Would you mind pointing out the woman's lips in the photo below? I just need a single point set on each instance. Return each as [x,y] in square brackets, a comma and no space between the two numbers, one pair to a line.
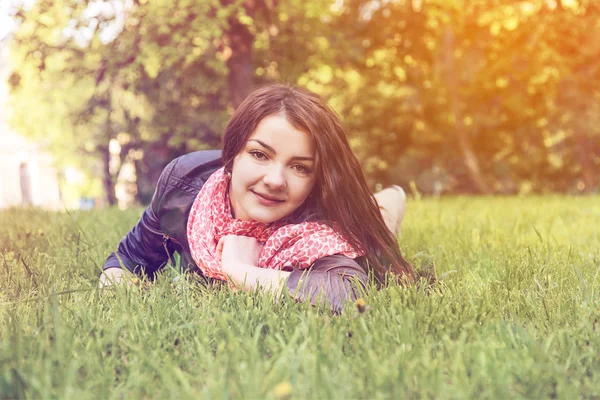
[267,201]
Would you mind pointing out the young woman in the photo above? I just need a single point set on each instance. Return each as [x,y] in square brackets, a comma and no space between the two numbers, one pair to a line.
[284,206]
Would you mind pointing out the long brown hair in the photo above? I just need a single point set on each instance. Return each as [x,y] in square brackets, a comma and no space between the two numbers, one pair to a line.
[340,196]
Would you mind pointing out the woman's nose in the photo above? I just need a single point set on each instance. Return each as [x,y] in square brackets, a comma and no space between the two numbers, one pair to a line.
[275,178]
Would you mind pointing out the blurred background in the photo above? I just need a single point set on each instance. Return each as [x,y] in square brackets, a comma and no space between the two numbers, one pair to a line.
[491,97]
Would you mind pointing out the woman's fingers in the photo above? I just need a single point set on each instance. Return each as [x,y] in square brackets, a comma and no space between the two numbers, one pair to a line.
[239,249]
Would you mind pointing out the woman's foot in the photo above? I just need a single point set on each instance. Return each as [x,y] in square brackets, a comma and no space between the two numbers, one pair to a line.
[392,204]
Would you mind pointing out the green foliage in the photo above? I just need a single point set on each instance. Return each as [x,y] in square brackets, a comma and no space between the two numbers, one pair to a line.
[515,315]
[470,91]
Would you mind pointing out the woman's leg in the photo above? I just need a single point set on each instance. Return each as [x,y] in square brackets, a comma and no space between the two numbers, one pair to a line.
[392,204]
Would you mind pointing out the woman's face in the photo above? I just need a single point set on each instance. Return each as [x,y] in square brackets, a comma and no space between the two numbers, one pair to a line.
[274,173]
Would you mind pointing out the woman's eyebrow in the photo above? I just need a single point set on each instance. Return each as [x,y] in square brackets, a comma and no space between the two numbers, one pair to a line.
[272,150]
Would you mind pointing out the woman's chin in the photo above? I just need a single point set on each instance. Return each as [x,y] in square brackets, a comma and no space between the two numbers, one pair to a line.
[266,215]
[265,219]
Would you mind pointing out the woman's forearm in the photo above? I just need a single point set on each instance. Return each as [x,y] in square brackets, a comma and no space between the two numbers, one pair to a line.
[249,277]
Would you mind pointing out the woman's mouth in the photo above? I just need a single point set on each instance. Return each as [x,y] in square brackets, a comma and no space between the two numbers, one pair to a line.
[266,200]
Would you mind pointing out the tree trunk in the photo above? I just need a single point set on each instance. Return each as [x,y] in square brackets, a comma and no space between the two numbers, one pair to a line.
[585,160]
[107,180]
[241,70]
[572,96]
[468,155]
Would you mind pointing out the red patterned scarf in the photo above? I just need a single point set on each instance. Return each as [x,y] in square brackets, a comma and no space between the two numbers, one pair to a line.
[286,246]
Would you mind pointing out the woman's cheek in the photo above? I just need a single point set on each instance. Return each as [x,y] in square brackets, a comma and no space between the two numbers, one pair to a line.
[304,188]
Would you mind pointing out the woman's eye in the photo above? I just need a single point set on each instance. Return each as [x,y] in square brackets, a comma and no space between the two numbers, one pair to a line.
[301,168]
[259,155]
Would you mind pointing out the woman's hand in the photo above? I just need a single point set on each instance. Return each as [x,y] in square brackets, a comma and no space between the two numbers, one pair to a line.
[236,250]
[112,276]
[239,260]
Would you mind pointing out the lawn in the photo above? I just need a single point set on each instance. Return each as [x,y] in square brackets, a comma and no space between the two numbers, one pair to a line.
[515,315]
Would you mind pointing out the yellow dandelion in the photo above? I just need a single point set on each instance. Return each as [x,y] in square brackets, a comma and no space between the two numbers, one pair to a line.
[360,305]
[283,390]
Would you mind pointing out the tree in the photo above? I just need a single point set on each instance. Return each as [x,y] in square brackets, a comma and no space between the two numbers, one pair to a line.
[473,96]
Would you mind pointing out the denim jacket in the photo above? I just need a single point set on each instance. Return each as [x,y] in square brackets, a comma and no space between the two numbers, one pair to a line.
[162,231]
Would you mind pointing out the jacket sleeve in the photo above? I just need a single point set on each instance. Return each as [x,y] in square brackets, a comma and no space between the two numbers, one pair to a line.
[142,249]
[332,280]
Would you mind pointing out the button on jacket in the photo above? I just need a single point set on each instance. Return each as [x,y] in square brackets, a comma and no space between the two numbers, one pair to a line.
[162,231]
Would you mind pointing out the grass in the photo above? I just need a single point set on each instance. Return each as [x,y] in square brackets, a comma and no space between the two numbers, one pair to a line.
[516,315]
